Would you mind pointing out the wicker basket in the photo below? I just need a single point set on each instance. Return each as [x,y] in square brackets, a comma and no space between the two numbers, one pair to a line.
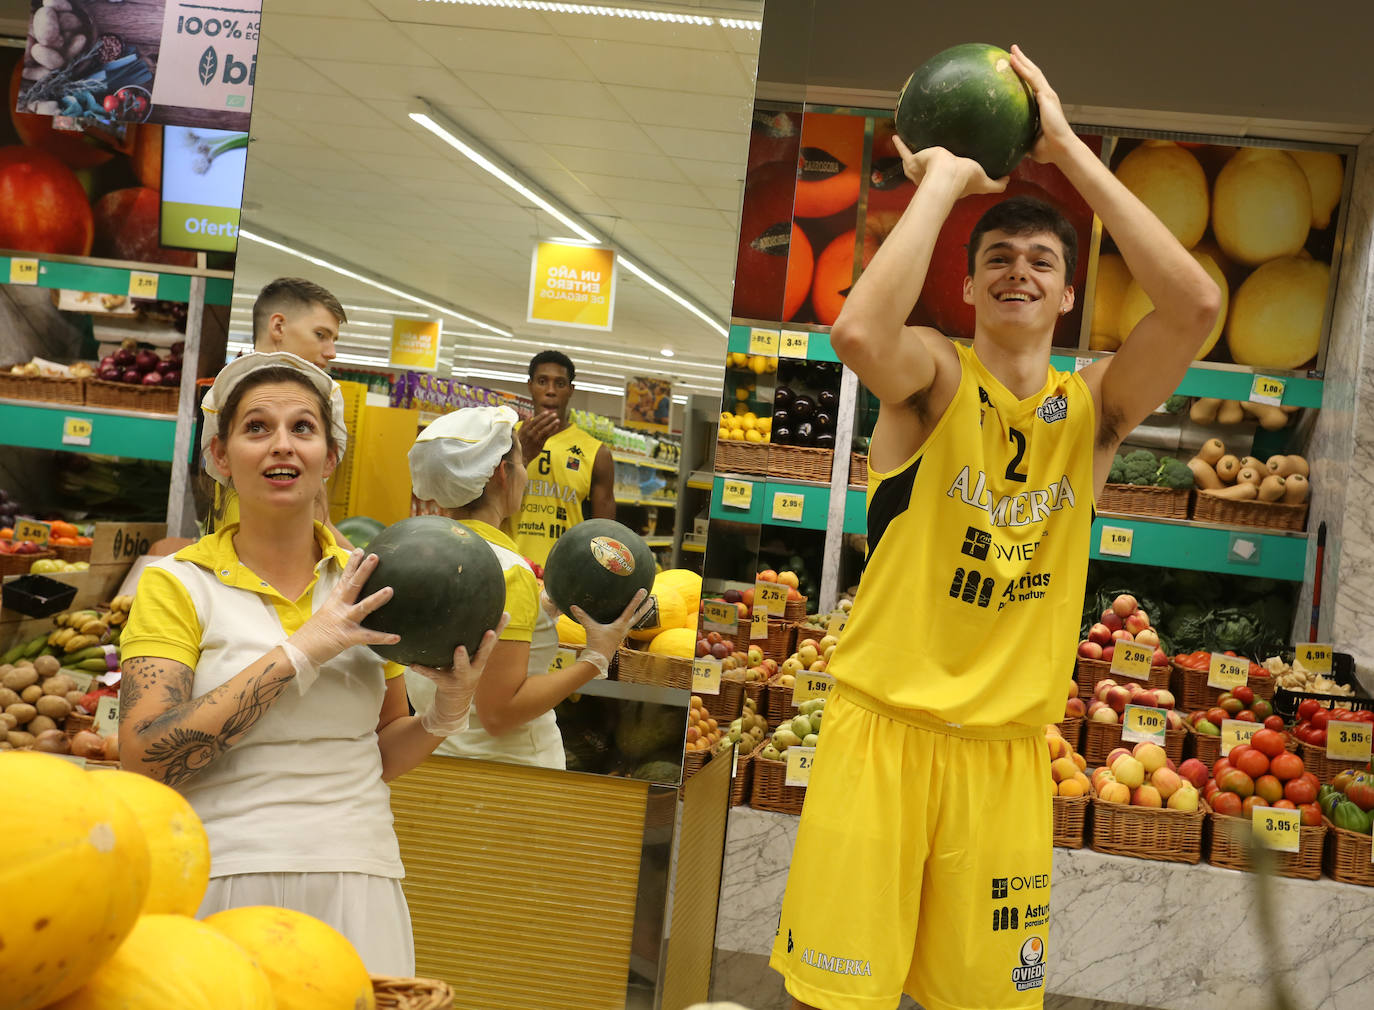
[726,705]
[638,667]
[127,396]
[76,722]
[1205,748]
[781,641]
[1070,819]
[1267,515]
[777,703]
[692,762]
[68,552]
[1071,729]
[1173,836]
[858,470]
[795,462]
[770,791]
[411,993]
[741,457]
[744,776]
[1091,672]
[1347,856]
[19,564]
[1314,759]
[41,388]
[755,689]
[1231,848]
[795,610]
[1190,688]
[1101,738]
[1135,500]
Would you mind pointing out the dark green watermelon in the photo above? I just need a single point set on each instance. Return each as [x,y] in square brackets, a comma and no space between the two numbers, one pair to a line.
[359,529]
[598,565]
[449,590]
[970,101]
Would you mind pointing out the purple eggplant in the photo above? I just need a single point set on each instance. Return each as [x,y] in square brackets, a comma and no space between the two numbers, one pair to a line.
[825,440]
[806,431]
[827,399]
[802,408]
[782,397]
[824,421]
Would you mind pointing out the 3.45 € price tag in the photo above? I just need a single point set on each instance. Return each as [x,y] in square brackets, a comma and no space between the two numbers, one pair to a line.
[758,625]
[1227,672]
[1277,829]
[705,675]
[763,342]
[27,529]
[788,506]
[737,494]
[1314,656]
[770,597]
[1235,732]
[1349,741]
[1142,724]
[799,762]
[1116,541]
[1130,659]
[106,716]
[795,344]
[811,685]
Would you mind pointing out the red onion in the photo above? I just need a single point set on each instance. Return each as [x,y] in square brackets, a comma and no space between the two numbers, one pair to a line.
[132,375]
[109,373]
[152,378]
[124,357]
[179,348]
[108,361]
[165,365]
[172,378]
[146,360]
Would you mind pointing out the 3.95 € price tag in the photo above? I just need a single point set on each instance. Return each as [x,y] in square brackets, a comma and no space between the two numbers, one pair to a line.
[1227,672]
[1314,656]
[1130,659]
[1142,724]
[770,597]
[811,685]
[1277,829]
[1349,741]
[737,494]
[705,675]
[799,762]
[1235,732]
[106,716]
[758,625]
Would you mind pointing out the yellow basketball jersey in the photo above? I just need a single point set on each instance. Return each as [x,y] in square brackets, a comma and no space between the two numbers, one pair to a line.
[977,558]
[560,480]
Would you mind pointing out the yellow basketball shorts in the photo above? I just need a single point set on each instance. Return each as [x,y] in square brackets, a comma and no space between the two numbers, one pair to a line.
[922,865]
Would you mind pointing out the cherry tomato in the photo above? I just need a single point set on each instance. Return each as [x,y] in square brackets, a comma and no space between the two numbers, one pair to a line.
[111,103]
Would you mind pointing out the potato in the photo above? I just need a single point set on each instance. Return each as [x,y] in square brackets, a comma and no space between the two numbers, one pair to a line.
[46,666]
[59,685]
[8,698]
[69,21]
[74,697]
[18,738]
[47,26]
[20,677]
[47,57]
[7,723]
[53,707]
[76,46]
[41,724]
[23,712]
[5,668]
[31,693]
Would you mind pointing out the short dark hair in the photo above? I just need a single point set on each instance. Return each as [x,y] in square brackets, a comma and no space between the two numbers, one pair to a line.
[1025,215]
[553,358]
[269,374]
[291,293]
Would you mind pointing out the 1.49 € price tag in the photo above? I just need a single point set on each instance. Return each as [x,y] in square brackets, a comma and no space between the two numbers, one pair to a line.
[1349,741]
[1277,829]
[1235,732]
[799,762]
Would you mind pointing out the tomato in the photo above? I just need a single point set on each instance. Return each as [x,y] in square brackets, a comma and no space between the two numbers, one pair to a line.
[1317,738]
[1286,766]
[1275,723]
[1253,762]
[1233,780]
[1320,718]
[1267,742]
[1311,814]
[1227,803]
[1220,765]
[1248,806]
[1300,791]
[1361,794]
[1284,805]
[1364,715]
[1269,788]
[1307,708]
[1246,716]
[1341,781]
[1217,715]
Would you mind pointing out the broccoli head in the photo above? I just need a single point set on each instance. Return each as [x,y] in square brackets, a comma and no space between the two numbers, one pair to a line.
[1115,474]
[1139,467]
[1175,404]
[1173,473]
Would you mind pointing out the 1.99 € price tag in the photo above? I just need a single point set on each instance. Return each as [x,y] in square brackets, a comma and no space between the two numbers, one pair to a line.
[811,685]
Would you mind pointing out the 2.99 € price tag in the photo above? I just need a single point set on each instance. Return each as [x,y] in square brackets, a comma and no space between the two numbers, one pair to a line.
[1227,672]
[705,675]
[1277,829]
[1130,659]
[799,762]
[1349,741]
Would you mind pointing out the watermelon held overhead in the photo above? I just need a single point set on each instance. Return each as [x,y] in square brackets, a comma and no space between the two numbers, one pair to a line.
[449,590]
[970,100]
[598,565]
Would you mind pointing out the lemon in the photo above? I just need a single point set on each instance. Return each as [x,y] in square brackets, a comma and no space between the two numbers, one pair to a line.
[758,364]
[764,424]
[1136,304]
[750,435]
[742,393]
[1325,175]
[1168,179]
[1261,207]
[737,434]
[1113,277]
[748,422]
[1276,319]
[727,419]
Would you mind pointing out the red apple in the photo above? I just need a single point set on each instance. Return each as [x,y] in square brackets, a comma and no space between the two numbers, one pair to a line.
[1112,621]
[1117,699]
[1108,653]
[1100,634]
[1145,698]
[1159,657]
[1125,605]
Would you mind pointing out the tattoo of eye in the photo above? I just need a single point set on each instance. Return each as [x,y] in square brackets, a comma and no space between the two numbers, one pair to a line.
[181,754]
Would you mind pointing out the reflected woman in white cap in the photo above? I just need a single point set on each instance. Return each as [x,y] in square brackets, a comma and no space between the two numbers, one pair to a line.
[470,464]
[249,687]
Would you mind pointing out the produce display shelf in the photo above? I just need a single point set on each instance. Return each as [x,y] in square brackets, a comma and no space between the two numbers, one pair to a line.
[637,460]
[760,511]
[626,690]
[700,480]
[1228,382]
[658,541]
[660,502]
[127,433]
[817,347]
[113,278]
[1232,550]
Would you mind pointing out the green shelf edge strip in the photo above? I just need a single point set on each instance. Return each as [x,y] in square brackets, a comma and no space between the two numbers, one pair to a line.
[1298,390]
[815,508]
[115,280]
[40,427]
[817,349]
[1203,549]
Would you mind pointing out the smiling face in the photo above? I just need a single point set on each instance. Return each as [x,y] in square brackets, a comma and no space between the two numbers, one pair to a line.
[1019,282]
[275,449]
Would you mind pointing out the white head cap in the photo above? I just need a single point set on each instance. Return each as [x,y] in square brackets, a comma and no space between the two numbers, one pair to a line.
[233,373]
[452,459]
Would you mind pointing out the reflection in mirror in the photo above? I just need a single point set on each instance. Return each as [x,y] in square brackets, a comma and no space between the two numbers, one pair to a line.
[451,173]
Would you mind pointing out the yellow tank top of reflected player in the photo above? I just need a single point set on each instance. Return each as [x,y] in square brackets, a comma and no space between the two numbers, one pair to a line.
[560,479]
[969,606]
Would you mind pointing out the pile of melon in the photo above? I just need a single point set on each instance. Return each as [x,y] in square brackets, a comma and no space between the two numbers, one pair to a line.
[100,892]
[677,593]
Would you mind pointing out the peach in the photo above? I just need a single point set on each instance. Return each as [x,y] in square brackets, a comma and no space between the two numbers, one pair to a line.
[1166,781]
[1071,787]
[1062,768]
[1115,792]
[1185,798]
[1104,714]
[1075,706]
[1129,772]
[1116,753]
[1151,755]
[1146,796]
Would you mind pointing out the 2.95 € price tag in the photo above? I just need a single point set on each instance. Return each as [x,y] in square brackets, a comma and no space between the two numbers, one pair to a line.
[1277,829]
[705,675]
[1235,732]
[1314,656]
[799,762]
[1349,741]
[763,342]
[758,625]
[811,685]
[770,597]
[1227,672]
[1130,659]
[1142,724]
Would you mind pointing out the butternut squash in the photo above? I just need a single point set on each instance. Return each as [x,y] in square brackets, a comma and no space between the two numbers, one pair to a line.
[1278,465]
[1252,463]
[1204,410]
[1227,469]
[1237,492]
[1298,464]
[1203,474]
[1270,418]
[1295,489]
[1271,488]
[1249,475]
[1212,450]
[1230,412]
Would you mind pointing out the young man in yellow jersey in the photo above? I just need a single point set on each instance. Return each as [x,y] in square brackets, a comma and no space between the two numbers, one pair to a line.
[566,465]
[923,858]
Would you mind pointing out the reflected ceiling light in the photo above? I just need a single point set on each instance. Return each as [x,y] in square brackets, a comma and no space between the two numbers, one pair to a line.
[465,144]
[634,13]
[667,352]
[370,281]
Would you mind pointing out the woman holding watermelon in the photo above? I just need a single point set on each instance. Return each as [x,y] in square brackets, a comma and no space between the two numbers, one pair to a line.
[470,464]
[247,684]
[922,862]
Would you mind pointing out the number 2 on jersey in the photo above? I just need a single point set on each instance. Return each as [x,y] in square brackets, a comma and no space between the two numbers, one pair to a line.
[1019,438]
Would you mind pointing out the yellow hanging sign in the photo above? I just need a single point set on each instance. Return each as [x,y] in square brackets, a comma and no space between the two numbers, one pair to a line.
[572,285]
[415,343]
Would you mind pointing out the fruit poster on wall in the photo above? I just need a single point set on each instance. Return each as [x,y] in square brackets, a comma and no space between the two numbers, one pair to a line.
[767,233]
[171,62]
[91,192]
[1261,221]
[648,404]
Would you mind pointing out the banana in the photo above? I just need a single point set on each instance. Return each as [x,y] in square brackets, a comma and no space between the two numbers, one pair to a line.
[124,603]
[23,650]
[59,620]
[89,652]
[34,647]
[92,665]
[62,637]
[116,618]
[79,642]
[95,628]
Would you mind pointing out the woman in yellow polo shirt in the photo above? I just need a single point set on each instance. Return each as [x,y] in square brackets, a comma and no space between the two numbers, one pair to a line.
[248,686]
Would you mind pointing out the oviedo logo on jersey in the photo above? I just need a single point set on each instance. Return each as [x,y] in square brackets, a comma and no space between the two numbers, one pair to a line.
[1020,509]
[612,555]
[1030,973]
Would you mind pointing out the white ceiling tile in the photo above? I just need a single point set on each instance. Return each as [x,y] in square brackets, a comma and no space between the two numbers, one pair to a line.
[467,50]
[581,132]
[606,162]
[712,173]
[708,145]
[280,72]
[335,110]
[645,214]
[494,18]
[320,8]
[509,93]
[696,111]
[486,125]
[651,66]
[725,198]
[386,82]
[634,32]
[371,40]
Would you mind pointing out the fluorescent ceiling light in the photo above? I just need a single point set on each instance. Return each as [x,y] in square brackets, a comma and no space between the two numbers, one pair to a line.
[450,133]
[633,13]
[244,296]
[667,352]
[371,281]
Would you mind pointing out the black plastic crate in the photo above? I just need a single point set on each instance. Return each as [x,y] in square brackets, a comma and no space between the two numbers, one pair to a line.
[1286,702]
[37,596]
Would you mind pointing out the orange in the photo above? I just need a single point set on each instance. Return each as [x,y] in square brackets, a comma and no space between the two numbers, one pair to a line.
[768,575]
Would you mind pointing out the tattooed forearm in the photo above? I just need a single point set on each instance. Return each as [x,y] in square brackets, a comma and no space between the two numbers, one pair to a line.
[180,754]
[254,700]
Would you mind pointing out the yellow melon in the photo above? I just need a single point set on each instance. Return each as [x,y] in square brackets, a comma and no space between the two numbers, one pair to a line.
[177,845]
[681,642]
[670,608]
[73,876]
[1170,181]
[1325,175]
[1113,277]
[310,964]
[174,961]
[1136,304]
[1261,206]
[570,632]
[688,583]
[1276,320]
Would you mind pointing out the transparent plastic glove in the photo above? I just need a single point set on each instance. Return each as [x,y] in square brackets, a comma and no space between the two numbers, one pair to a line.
[455,686]
[604,639]
[337,626]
